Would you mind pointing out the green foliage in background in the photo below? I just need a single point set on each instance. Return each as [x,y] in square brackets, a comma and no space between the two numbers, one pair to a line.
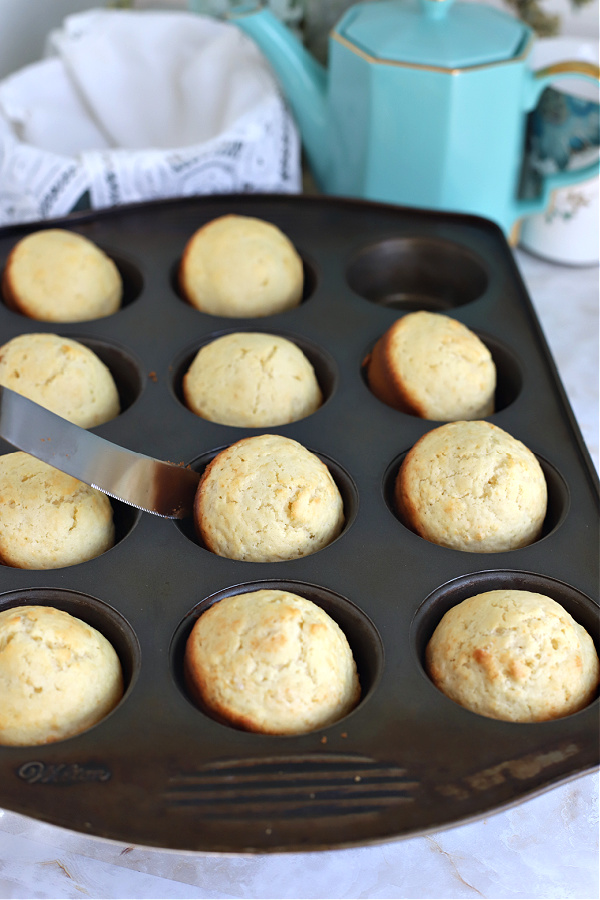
[533,13]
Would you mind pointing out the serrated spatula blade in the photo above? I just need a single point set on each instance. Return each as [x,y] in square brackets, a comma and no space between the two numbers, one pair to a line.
[161,488]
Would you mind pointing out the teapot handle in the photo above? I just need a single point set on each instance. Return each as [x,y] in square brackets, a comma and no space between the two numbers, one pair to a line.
[574,68]
[539,81]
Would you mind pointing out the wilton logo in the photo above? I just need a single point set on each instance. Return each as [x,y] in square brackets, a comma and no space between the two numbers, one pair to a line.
[62,773]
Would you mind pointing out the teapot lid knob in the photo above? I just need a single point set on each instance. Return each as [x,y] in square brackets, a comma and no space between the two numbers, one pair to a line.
[435,9]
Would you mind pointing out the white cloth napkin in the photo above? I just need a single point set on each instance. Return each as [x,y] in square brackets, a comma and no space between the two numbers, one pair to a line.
[136,105]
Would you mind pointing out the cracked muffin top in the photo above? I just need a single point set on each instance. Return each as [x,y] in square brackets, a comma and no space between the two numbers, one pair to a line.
[238,266]
[271,661]
[61,374]
[58,676]
[252,380]
[472,486]
[513,655]
[55,275]
[47,518]
[267,499]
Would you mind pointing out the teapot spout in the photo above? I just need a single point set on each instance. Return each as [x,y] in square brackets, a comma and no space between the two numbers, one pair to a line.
[302,79]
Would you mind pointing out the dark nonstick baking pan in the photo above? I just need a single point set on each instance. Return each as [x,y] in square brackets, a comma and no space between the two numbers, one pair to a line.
[407,760]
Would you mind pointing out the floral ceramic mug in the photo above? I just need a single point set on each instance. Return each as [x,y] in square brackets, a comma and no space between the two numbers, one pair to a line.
[564,133]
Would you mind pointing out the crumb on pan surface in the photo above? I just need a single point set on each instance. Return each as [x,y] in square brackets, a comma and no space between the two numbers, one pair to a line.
[55,275]
[271,661]
[58,676]
[62,375]
[471,486]
[249,379]
[267,498]
[237,266]
[513,655]
[47,518]
[430,365]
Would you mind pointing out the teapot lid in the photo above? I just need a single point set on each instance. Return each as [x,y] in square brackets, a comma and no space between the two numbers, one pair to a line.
[437,33]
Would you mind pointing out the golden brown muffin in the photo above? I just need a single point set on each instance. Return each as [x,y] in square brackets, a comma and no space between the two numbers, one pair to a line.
[251,380]
[472,486]
[513,655]
[61,374]
[58,676]
[55,275]
[48,519]
[238,266]
[271,661]
[265,499]
[429,365]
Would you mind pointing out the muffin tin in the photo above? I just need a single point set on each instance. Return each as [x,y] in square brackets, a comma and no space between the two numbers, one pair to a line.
[158,771]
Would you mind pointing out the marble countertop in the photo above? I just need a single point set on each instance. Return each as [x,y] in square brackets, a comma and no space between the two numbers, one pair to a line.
[546,847]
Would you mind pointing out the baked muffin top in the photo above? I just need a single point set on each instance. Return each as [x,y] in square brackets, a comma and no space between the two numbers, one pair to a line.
[472,486]
[238,266]
[265,499]
[61,374]
[514,655]
[55,275]
[251,380]
[271,661]
[58,676]
[430,365]
[47,518]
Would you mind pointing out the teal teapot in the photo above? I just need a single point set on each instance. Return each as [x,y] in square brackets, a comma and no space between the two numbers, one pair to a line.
[424,103]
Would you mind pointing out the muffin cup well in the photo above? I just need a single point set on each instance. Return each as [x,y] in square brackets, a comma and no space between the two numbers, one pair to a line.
[325,368]
[343,480]
[131,278]
[125,519]
[124,367]
[558,497]
[509,377]
[417,273]
[361,634]
[429,614]
[96,613]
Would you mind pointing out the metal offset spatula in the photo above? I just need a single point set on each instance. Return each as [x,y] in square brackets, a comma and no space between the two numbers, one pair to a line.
[161,488]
